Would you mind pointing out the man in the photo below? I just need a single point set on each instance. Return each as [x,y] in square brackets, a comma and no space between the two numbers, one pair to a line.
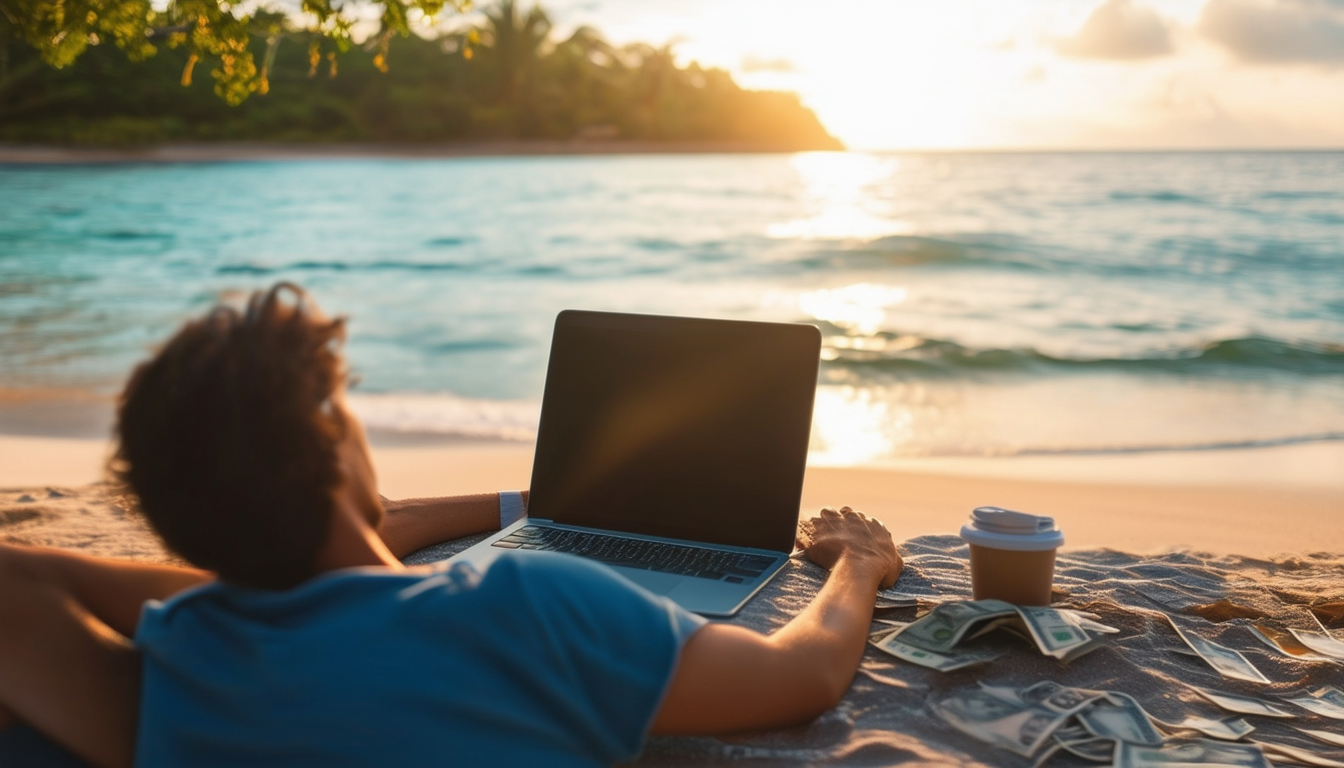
[301,639]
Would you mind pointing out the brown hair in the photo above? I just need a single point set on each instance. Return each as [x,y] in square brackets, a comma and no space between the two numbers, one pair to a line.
[228,438]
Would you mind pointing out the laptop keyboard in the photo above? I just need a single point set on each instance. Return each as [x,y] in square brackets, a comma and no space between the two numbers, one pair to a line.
[705,563]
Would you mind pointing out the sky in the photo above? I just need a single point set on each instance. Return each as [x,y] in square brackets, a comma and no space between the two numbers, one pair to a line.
[1018,74]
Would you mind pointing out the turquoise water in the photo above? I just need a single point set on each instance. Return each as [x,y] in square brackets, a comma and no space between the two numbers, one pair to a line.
[972,303]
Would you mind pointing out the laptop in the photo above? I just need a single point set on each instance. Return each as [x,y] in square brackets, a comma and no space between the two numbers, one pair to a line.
[673,450]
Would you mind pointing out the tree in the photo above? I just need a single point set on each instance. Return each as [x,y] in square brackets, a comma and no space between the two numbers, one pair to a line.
[213,31]
[505,78]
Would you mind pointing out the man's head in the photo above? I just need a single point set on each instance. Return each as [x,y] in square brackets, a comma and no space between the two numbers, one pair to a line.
[236,442]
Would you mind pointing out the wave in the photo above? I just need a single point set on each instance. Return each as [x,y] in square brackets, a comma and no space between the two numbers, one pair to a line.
[339,266]
[1216,445]
[1008,451]
[131,234]
[1156,196]
[447,415]
[888,352]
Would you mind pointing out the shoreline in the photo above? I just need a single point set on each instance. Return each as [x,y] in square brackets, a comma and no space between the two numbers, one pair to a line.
[248,151]
[52,154]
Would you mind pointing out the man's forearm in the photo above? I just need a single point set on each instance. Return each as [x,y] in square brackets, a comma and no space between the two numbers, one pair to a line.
[831,633]
[413,524]
[112,590]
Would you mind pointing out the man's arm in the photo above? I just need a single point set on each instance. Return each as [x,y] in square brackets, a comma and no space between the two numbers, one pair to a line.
[731,678]
[413,524]
[112,591]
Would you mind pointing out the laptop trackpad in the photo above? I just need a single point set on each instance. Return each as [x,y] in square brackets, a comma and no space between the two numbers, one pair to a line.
[655,582]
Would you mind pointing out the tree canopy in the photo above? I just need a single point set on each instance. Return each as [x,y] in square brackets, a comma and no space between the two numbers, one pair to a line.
[509,77]
[218,32]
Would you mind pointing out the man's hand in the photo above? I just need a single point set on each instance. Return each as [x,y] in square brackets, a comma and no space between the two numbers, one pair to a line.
[844,533]
[731,679]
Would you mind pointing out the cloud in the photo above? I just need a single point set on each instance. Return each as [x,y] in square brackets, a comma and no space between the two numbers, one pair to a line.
[1119,29]
[1277,31]
[752,63]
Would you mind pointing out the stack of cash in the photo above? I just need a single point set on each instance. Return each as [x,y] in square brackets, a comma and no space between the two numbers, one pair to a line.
[931,640]
[1047,718]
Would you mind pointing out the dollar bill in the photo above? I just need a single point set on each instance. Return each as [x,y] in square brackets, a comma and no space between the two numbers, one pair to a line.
[1233,729]
[1050,751]
[1319,642]
[1228,662]
[1057,698]
[1242,705]
[891,642]
[1088,622]
[1072,732]
[985,627]
[1189,753]
[943,627]
[1281,754]
[895,598]
[1124,720]
[1015,726]
[1329,737]
[1094,749]
[1055,635]
[1326,702]
[1283,641]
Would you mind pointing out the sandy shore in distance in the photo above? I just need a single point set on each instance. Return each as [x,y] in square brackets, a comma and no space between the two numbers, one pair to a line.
[1205,502]
[36,154]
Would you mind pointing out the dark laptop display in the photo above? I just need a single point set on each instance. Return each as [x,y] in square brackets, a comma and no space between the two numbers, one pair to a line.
[676,427]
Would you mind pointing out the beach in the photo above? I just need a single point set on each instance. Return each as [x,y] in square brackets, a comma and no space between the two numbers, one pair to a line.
[1226,502]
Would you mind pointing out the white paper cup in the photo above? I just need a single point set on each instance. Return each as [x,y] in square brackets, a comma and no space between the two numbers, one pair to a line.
[1012,555]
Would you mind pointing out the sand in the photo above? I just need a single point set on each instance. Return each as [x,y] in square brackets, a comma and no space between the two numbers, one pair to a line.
[1260,502]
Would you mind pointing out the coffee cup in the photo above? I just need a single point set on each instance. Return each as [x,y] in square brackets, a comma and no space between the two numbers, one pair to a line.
[1012,555]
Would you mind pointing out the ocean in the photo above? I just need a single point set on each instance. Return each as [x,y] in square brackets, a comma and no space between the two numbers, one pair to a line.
[972,304]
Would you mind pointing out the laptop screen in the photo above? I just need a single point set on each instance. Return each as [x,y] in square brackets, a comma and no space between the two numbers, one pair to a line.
[678,427]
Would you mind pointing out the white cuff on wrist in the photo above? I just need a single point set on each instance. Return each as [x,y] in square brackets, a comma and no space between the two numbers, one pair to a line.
[511,508]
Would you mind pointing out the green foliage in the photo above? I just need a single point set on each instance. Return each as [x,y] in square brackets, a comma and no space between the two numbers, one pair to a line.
[507,79]
[213,31]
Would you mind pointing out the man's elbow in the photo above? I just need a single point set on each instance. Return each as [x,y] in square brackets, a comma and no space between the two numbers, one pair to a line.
[822,689]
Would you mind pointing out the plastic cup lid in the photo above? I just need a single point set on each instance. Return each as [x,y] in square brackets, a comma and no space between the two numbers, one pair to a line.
[1001,528]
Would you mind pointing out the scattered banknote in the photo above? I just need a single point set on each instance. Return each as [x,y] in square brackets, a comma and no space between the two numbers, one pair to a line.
[890,641]
[1015,726]
[1055,634]
[1060,633]
[1233,729]
[1088,621]
[1281,754]
[943,627]
[1319,642]
[1228,662]
[1050,716]
[1120,718]
[1283,641]
[1329,737]
[1242,705]
[1190,753]
[894,598]
[1327,702]
[1097,750]
[1054,697]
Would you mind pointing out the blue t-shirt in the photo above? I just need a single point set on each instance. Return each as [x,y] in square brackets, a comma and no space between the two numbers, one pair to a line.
[540,660]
